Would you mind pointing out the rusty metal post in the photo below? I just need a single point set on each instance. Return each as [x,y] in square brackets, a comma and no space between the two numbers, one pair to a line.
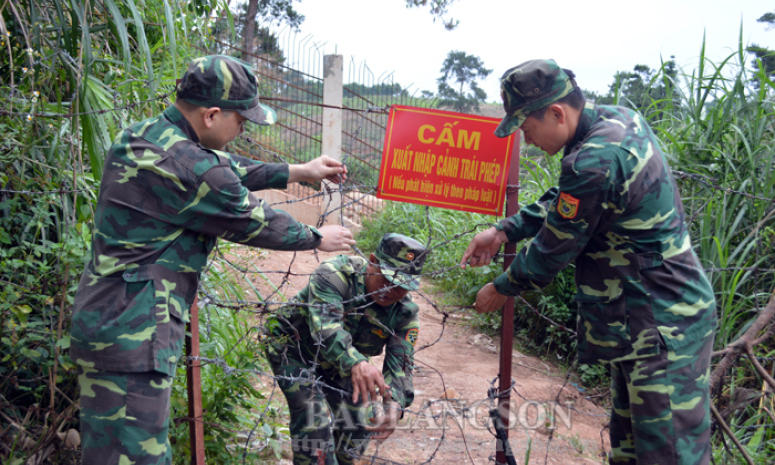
[507,321]
[194,387]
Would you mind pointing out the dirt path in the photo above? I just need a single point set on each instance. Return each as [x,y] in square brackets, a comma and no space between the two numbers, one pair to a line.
[451,382]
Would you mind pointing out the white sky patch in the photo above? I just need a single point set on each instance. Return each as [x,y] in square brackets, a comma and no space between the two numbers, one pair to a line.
[595,39]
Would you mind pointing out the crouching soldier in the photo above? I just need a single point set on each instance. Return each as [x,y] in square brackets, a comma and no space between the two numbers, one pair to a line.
[320,345]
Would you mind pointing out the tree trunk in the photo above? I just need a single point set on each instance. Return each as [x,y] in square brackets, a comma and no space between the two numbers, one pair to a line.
[250,26]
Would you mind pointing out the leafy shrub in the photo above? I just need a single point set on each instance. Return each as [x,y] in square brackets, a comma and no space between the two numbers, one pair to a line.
[43,244]
[595,375]
[556,303]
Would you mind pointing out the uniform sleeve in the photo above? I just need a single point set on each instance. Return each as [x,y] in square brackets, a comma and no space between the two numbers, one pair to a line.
[324,315]
[224,207]
[399,361]
[571,220]
[528,221]
[256,175]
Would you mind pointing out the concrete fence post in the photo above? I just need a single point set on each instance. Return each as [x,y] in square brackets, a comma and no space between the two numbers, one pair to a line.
[332,128]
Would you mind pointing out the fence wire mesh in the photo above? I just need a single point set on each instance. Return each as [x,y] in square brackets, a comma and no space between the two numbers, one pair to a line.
[297,97]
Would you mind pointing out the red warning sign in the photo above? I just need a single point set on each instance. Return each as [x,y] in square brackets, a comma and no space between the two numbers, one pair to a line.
[445,159]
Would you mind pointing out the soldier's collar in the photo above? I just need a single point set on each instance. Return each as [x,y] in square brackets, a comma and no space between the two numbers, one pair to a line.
[176,117]
[585,120]
[388,310]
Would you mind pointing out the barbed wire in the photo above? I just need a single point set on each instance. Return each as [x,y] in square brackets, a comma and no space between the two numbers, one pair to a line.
[755,269]
[271,307]
[58,191]
[370,109]
[83,113]
[265,307]
[275,303]
[708,181]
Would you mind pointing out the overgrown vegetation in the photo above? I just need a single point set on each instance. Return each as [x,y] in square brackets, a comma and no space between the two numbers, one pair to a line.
[62,65]
[71,78]
[722,131]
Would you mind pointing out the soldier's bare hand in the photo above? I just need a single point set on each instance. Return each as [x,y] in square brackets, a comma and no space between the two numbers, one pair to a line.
[488,299]
[386,421]
[335,238]
[483,247]
[323,167]
[366,380]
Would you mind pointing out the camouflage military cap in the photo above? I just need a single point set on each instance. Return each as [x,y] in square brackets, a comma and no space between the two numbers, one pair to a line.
[529,87]
[401,259]
[226,83]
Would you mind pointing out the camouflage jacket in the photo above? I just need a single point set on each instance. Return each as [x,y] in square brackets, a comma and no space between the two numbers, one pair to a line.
[164,201]
[338,326]
[617,212]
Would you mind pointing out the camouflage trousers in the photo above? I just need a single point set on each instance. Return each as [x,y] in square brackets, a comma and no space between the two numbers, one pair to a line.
[326,426]
[124,417]
[661,407]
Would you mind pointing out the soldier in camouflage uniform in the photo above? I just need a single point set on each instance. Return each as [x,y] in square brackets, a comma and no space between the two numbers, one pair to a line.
[320,346]
[168,192]
[644,303]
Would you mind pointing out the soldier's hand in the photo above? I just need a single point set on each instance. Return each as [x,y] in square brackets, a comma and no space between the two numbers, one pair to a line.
[488,299]
[323,167]
[483,247]
[366,380]
[335,238]
[386,421]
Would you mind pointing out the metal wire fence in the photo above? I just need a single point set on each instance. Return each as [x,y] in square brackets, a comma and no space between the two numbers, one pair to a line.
[296,94]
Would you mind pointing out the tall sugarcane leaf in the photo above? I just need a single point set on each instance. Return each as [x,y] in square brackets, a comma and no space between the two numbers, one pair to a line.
[172,44]
[143,44]
[95,127]
[85,35]
[120,28]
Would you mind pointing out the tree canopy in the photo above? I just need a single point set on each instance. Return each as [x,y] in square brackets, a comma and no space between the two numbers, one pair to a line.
[438,9]
[267,11]
[644,89]
[765,58]
[254,16]
[463,71]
